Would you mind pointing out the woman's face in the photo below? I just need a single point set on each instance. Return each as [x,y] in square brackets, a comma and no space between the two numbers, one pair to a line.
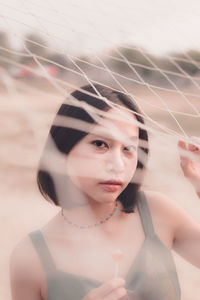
[101,165]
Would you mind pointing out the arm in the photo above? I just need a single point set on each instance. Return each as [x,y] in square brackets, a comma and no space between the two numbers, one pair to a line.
[190,161]
[23,279]
[184,231]
[187,237]
[175,228]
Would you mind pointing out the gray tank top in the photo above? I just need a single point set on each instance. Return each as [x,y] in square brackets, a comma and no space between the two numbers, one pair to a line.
[152,275]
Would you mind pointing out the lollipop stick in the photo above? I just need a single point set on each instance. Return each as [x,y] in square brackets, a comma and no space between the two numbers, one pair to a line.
[116,269]
[117,256]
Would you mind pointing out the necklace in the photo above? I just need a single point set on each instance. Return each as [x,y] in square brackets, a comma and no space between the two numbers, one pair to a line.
[93,225]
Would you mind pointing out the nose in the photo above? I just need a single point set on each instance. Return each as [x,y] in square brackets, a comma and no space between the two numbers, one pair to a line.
[115,161]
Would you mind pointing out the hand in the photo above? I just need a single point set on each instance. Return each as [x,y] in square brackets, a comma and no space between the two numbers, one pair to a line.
[190,161]
[112,290]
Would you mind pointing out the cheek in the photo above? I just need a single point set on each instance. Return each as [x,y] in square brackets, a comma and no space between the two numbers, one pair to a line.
[131,167]
[82,168]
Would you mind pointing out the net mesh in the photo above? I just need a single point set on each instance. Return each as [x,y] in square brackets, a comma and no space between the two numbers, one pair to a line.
[47,50]
[165,88]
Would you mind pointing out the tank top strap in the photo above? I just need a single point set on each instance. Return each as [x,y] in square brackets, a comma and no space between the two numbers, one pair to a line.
[145,214]
[42,250]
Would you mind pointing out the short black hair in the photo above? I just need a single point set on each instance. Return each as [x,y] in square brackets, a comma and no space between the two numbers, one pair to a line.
[66,138]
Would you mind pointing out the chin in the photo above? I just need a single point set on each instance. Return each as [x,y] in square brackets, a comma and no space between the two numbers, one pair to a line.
[102,198]
[103,201]
[108,200]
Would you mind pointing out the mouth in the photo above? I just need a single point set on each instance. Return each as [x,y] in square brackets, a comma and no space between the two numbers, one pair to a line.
[111,185]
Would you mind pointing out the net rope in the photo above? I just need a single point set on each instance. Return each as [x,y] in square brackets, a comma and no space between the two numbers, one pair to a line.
[98,43]
[99,62]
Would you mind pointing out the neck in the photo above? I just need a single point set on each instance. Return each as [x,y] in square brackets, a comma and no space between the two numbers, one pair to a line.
[91,213]
[82,210]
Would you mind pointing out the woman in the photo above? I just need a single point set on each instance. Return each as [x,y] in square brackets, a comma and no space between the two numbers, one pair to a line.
[93,169]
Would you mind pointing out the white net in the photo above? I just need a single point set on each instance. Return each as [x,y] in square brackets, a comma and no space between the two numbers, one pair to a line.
[49,49]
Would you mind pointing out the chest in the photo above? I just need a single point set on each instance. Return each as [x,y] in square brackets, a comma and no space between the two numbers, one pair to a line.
[91,257]
[88,255]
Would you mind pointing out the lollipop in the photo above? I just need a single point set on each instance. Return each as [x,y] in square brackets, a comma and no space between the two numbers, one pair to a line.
[117,256]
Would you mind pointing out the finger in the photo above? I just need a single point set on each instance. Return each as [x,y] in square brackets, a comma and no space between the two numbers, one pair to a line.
[116,294]
[184,161]
[182,144]
[193,147]
[107,288]
[183,151]
[188,149]
[190,146]
[196,146]
[190,173]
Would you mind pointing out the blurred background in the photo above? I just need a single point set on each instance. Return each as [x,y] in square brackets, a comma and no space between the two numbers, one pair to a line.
[149,50]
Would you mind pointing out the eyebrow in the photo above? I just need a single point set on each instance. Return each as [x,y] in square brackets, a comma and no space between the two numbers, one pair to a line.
[112,137]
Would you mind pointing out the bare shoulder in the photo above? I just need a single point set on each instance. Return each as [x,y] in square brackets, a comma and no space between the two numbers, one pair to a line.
[22,256]
[162,206]
[174,226]
[159,202]
[25,271]
[165,214]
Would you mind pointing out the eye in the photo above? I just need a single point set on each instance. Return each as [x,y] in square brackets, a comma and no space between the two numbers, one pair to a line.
[100,144]
[130,148]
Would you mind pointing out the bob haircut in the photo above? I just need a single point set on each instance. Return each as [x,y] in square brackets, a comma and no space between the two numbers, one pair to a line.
[66,138]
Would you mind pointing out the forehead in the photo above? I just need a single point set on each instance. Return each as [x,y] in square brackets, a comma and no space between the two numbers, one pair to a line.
[116,123]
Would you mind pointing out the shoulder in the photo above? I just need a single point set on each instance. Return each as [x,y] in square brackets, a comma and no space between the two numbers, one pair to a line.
[164,207]
[21,254]
[23,257]
[159,202]
[24,265]
[165,215]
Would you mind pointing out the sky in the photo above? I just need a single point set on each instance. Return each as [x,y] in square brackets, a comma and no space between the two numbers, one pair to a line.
[90,26]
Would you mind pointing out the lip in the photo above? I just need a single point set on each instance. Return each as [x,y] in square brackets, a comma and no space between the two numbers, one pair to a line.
[111,185]
[115,182]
